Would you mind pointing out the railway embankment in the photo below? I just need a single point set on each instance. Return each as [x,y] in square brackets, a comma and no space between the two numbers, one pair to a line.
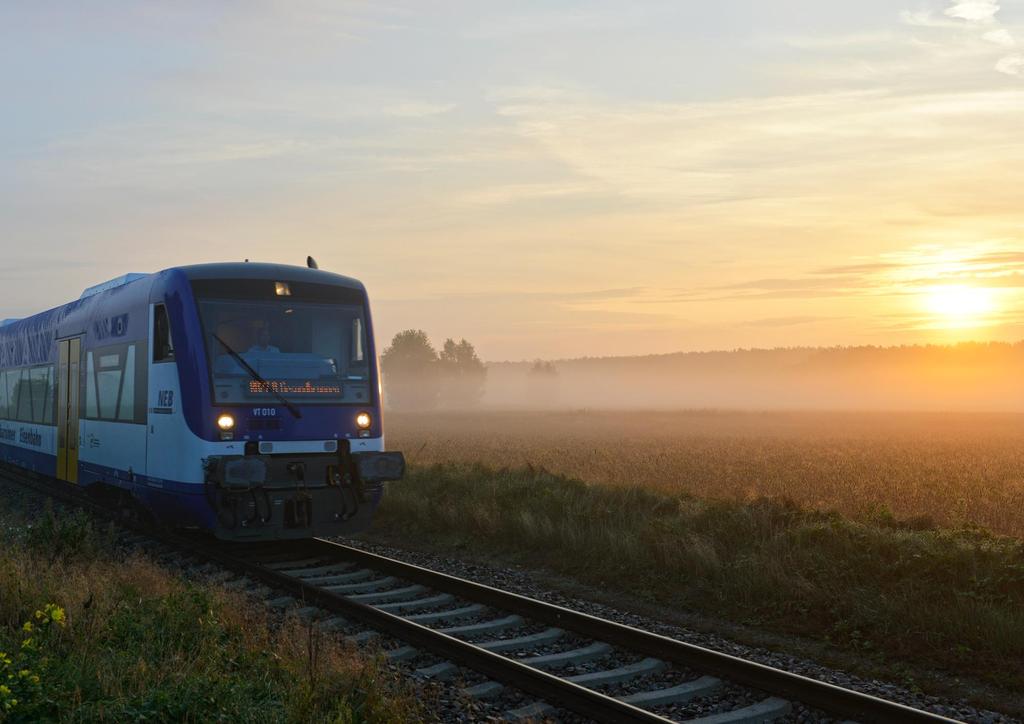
[93,631]
[928,607]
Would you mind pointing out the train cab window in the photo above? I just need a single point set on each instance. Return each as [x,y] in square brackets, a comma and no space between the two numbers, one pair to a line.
[163,347]
[358,341]
[299,346]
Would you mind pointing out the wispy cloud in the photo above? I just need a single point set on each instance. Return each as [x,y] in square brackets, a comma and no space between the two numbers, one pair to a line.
[790,285]
[916,323]
[788,321]
[926,19]
[1011,64]
[896,274]
[975,11]
[864,268]
[577,296]
[814,146]
[980,16]
[1002,37]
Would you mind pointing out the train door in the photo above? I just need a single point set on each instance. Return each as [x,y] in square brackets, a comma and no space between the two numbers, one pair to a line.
[67,408]
[166,426]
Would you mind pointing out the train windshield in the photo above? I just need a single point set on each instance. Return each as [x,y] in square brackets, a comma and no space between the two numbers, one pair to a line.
[307,352]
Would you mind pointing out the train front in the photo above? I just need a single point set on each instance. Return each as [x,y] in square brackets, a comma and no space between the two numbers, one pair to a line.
[294,402]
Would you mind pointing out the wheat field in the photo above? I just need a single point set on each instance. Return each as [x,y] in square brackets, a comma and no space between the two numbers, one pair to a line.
[944,469]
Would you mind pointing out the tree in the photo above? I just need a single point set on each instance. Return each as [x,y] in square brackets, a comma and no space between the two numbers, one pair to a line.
[411,371]
[463,374]
[542,369]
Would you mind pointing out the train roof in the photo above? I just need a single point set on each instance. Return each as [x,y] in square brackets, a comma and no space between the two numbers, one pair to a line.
[257,270]
[222,270]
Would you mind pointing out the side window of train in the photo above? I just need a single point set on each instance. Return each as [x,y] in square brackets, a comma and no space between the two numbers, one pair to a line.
[41,392]
[115,385]
[10,384]
[163,347]
[26,395]
[13,381]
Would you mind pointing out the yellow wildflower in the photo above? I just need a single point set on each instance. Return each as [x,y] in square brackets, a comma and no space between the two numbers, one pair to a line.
[27,627]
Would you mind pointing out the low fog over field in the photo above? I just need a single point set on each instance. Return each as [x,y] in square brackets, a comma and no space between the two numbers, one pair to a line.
[960,377]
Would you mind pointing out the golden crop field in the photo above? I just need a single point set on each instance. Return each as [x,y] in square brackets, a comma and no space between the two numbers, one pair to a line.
[953,469]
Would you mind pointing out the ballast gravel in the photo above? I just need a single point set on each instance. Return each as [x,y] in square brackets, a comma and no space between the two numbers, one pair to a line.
[521,581]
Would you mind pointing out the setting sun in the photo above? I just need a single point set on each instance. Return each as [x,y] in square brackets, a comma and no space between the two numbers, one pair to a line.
[960,303]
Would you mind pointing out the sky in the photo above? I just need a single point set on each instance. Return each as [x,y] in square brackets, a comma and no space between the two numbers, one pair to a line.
[546,179]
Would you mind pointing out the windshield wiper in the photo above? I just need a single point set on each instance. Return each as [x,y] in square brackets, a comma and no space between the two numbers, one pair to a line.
[256,376]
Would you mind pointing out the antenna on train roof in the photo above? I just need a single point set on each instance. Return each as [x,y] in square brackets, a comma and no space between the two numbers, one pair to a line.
[311,263]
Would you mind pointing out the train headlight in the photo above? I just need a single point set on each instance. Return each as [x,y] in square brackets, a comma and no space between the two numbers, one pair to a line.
[226,422]
[363,420]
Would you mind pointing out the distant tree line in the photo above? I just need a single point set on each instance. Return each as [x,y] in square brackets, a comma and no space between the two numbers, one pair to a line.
[542,383]
[418,377]
[542,369]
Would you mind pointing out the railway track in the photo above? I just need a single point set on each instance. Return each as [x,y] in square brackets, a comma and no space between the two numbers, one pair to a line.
[557,659]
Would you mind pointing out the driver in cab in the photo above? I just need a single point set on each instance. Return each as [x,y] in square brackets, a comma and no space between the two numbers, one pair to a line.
[263,345]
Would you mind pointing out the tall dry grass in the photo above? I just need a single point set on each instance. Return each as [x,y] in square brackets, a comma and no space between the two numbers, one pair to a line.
[137,643]
[950,469]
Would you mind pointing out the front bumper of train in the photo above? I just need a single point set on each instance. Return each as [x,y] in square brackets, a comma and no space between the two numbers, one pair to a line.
[287,496]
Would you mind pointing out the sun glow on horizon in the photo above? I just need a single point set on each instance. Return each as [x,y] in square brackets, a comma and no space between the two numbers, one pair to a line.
[960,305]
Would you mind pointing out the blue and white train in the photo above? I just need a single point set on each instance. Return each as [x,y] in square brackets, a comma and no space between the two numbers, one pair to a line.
[240,399]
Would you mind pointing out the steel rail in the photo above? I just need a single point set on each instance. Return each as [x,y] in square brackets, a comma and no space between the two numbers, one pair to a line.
[552,689]
[820,694]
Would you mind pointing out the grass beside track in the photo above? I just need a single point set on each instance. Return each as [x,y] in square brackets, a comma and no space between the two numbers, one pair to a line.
[88,635]
[948,599]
